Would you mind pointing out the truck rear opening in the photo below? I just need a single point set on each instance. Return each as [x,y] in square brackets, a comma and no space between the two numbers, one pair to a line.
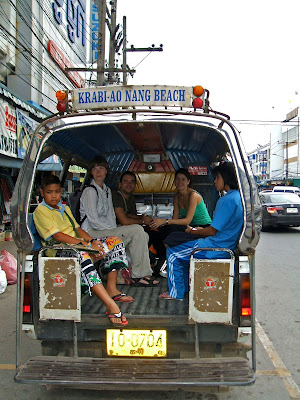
[194,347]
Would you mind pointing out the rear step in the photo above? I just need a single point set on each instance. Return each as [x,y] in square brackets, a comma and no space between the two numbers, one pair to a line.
[134,374]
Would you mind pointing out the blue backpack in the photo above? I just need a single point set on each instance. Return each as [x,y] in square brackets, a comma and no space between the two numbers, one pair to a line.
[74,203]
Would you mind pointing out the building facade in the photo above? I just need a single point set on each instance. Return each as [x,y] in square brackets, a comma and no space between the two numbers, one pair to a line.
[259,160]
[38,41]
[285,149]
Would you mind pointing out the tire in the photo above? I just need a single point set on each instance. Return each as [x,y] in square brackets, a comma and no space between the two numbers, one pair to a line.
[264,228]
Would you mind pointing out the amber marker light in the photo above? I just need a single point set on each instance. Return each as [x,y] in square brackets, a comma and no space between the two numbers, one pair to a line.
[198,91]
[198,101]
[62,97]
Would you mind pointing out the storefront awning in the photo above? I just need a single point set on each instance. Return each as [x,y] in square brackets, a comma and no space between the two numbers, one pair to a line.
[11,162]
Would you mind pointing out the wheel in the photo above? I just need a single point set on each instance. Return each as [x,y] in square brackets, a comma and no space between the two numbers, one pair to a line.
[264,228]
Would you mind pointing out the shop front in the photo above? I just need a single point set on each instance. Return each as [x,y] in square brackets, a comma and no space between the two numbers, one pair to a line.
[18,120]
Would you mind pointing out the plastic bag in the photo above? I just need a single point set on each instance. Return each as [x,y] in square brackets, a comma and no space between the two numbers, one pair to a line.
[9,264]
[3,281]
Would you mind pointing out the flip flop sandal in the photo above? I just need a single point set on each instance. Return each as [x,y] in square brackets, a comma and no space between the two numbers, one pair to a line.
[138,283]
[121,297]
[166,296]
[150,280]
[119,316]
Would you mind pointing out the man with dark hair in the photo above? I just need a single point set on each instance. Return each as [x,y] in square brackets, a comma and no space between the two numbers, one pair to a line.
[124,202]
[126,213]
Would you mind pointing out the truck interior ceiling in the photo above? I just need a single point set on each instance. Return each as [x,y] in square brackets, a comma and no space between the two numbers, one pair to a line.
[124,144]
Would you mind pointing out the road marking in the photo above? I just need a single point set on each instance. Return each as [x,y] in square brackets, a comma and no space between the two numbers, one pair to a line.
[7,366]
[280,369]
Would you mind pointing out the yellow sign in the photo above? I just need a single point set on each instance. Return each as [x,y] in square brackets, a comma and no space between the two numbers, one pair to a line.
[136,342]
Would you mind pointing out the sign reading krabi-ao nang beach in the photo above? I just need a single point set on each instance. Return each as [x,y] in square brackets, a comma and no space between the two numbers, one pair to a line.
[131,96]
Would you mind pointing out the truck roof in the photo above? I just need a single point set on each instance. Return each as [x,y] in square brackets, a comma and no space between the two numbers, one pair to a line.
[178,137]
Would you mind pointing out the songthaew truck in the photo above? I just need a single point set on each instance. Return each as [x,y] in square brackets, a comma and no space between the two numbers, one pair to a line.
[205,341]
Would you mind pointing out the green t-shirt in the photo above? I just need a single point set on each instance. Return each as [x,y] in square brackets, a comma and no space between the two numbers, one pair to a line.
[128,205]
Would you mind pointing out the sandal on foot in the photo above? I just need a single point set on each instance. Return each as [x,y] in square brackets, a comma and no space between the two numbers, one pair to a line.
[138,282]
[123,297]
[119,316]
[166,296]
[151,280]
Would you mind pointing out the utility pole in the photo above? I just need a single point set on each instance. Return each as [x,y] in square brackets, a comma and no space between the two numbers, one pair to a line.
[287,155]
[133,49]
[113,31]
[101,42]
[117,39]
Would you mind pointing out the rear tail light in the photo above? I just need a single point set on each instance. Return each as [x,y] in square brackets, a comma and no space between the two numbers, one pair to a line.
[245,300]
[27,302]
[272,210]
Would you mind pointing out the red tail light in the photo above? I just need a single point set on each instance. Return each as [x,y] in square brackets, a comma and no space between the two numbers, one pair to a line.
[245,299]
[272,210]
[27,302]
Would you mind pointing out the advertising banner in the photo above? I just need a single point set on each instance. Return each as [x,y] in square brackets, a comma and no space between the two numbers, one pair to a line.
[8,133]
[25,128]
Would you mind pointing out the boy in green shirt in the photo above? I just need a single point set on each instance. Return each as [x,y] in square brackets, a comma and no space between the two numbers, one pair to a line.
[55,220]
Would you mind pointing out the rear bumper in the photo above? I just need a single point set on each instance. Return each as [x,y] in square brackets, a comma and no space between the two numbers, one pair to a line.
[281,220]
[136,374]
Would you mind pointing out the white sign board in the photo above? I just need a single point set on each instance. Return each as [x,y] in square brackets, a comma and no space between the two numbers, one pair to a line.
[131,96]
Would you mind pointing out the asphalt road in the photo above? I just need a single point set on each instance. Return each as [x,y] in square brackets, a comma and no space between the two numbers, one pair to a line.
[278,336]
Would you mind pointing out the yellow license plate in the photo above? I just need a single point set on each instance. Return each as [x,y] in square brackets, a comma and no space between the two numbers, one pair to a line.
[136,342]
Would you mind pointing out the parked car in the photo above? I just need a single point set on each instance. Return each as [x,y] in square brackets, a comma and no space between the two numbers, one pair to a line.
[287,189]
[279,209]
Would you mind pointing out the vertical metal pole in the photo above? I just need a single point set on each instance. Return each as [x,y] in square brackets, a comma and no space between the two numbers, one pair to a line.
[298,149]
[287,155]
[75,340]
[253,308]
[101,42]
[112,39]
[197,350]
[19,301]
[124,52]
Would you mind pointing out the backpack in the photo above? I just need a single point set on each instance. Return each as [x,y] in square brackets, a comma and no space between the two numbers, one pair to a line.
[74,203]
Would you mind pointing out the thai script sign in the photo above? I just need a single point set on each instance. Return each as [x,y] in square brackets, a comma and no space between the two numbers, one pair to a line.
[8,130]
[73,17]
[197,170]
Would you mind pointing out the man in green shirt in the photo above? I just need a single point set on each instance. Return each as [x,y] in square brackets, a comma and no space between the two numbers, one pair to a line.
[124,202]
[126,213]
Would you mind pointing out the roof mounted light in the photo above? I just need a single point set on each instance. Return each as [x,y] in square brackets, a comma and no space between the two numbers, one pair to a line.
[198,101]
[63,101]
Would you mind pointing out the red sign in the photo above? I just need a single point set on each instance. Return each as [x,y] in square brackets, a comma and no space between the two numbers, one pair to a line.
[197,170]
[62,61]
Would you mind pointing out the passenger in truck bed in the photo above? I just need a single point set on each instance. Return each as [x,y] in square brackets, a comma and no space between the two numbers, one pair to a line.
[189,207]
[55,222]
[224,232]
[126,213]
[101,220]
